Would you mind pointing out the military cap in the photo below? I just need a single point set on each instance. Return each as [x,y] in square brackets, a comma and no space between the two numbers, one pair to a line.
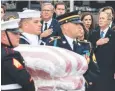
[11,25]
[29,14]
[69,17]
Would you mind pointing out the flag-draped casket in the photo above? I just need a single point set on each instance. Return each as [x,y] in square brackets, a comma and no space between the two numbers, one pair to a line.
[54,68]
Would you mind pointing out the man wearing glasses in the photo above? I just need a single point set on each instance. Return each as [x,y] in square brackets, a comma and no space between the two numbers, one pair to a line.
[50,26]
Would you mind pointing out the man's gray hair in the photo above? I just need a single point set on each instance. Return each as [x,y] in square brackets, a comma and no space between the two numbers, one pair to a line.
[48,3]
[109,16]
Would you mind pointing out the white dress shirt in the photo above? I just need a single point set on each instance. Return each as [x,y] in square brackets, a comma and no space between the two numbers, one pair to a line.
[105,31]
[70,41]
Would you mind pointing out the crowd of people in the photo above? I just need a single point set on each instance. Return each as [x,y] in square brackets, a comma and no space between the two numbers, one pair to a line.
[53,26]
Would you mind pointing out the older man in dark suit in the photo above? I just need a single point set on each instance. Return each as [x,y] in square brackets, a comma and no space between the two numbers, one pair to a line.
[103,41]
[109,10]
[50,26]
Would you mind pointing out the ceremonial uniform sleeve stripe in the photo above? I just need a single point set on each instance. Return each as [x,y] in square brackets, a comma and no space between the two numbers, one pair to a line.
[17,64]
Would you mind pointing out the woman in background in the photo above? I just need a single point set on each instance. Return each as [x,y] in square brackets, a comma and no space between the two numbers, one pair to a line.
[3,10]
[88,22]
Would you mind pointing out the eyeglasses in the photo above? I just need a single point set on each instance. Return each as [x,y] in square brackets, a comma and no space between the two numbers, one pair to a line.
[46,10]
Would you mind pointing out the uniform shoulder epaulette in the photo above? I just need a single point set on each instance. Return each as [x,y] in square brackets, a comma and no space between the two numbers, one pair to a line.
[53,38]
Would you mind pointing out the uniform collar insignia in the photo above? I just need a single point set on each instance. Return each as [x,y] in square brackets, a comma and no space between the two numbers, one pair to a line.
[64,42]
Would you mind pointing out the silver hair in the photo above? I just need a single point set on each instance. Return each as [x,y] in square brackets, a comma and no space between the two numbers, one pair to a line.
[109,16]
[45,4]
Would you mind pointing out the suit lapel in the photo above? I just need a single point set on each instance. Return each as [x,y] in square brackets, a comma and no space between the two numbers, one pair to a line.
[51,25]
[108,34]
[42,26]
[112,25]
[97,34]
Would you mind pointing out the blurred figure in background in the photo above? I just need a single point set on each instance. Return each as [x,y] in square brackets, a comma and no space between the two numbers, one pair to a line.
[60,9]
[88,22]
[3,10]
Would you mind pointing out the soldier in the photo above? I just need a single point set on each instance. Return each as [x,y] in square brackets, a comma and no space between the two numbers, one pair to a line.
[14,75]
[84,48]
[72,28]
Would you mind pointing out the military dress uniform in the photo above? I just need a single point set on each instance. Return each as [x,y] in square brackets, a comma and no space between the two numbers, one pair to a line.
[14,75]
[83,48]
[58,41]
[80,47]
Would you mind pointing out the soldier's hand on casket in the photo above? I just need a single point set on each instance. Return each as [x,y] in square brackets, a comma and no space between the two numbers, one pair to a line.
[102,41]
[46,33]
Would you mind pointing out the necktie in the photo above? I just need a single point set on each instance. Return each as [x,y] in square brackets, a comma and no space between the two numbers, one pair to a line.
[45,27]
[102,34]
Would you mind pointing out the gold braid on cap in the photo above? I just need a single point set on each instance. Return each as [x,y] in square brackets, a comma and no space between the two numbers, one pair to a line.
[73,16]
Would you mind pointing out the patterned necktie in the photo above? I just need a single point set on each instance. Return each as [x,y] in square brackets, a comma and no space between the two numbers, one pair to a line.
[45,27]
[102,34]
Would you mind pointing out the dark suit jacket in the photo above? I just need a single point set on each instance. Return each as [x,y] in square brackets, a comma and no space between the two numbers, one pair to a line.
[105,55]
[56,29]
[113,24]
